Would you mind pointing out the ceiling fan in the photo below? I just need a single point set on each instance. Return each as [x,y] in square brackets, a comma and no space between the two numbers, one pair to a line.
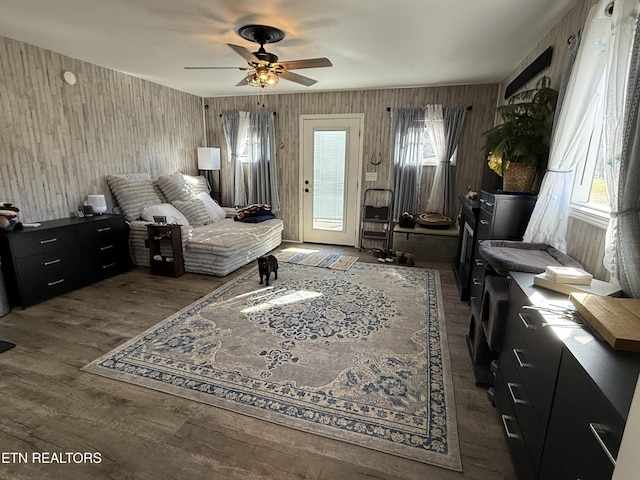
[264,70]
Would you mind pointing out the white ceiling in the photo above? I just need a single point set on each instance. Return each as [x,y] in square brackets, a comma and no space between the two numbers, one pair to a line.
[371,43]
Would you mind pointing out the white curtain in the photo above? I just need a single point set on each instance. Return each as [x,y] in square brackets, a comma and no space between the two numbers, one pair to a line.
[445,127]
[582,106]
[434,123]
[623,22]
[236,127]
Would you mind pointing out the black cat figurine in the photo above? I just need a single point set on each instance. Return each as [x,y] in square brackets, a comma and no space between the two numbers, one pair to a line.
[266,265]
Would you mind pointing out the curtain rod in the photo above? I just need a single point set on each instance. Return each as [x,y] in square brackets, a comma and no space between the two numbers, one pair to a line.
[469,107]
[274,114]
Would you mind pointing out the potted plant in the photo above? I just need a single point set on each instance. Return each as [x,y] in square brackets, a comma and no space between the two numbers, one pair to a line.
[520,144]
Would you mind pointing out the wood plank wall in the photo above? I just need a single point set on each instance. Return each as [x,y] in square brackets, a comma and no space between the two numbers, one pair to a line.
[376,136]
[58,142]
[585,242]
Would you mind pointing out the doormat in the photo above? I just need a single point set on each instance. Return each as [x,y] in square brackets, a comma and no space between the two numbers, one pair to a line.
[316,258]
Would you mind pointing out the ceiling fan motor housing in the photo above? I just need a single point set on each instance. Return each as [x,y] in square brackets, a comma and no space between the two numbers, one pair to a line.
[266,56]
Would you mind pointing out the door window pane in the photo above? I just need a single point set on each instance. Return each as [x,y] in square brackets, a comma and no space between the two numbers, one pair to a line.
[329,166]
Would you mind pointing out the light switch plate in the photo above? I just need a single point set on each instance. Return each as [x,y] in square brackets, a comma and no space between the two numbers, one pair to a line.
[371,176]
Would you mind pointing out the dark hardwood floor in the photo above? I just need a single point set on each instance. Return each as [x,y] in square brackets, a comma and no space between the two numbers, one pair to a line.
[48,405]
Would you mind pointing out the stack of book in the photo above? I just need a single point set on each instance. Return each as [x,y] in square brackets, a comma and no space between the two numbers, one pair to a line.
[568,280]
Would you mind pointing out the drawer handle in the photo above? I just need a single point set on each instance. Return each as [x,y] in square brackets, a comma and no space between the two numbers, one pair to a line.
[476,281]
[484,222]
[594,427]
[505,419]
[479,263]
[51,262]
[105,229]
[109,265]
[49,240]
[517,401]
[106,247]
[51,284]
[489,204]
[525,321]
[482,200]
[517,354]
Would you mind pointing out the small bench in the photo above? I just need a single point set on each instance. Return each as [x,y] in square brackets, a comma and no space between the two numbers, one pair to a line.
[427,243]
[452,231]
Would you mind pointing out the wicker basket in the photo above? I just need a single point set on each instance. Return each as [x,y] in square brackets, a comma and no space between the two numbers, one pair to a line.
[518,177]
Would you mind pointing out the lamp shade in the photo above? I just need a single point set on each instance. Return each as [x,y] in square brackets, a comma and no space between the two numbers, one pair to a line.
[98,203]
[208,158]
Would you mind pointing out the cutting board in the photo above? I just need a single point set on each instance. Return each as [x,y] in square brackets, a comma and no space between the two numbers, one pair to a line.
[617,320]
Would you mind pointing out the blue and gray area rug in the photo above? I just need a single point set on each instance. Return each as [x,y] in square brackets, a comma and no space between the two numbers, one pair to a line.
[359,356]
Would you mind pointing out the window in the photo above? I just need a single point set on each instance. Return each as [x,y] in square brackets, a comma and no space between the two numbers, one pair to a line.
[589,200]
[427,152]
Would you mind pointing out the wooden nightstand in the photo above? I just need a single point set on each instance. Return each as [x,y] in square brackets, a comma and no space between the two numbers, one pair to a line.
[165,250]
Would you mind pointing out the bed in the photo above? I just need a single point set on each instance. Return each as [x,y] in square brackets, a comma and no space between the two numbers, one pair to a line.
[213,243]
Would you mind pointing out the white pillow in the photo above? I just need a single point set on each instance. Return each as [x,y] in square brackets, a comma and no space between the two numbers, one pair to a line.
[216,212]
[164,210]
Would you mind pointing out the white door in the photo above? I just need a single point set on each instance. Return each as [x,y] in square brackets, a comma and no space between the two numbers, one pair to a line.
[331,167]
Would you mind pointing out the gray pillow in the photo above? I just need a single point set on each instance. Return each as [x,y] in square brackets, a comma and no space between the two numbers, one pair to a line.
[133,192]
[197,184]
[195,211]
[174,188]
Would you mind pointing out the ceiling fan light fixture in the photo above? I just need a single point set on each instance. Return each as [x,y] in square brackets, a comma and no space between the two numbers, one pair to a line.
[262,77]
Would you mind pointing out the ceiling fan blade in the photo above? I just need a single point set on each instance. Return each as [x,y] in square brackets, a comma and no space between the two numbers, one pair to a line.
[242,83]
[294,77]
[244,53]
[216,68]
[308,63]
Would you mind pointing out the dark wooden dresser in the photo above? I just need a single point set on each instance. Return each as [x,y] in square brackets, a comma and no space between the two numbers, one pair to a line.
[502,216]
[562,393]
[61,255]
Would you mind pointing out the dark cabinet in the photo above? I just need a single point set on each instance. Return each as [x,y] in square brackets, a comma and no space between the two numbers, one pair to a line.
[502,216]
[563,395]
[60,255]
[494,216]
[468,228]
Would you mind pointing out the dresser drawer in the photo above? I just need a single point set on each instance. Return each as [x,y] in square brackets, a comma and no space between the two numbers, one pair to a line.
[550,468]
[484,225]
[105,263]
[105,230]
[477,278]
[596,421]
[49,284]
[522,408]
[535,351]
[515,438]
[41,241]
[103,246]
[581,455]
[487,202]
[51,265]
